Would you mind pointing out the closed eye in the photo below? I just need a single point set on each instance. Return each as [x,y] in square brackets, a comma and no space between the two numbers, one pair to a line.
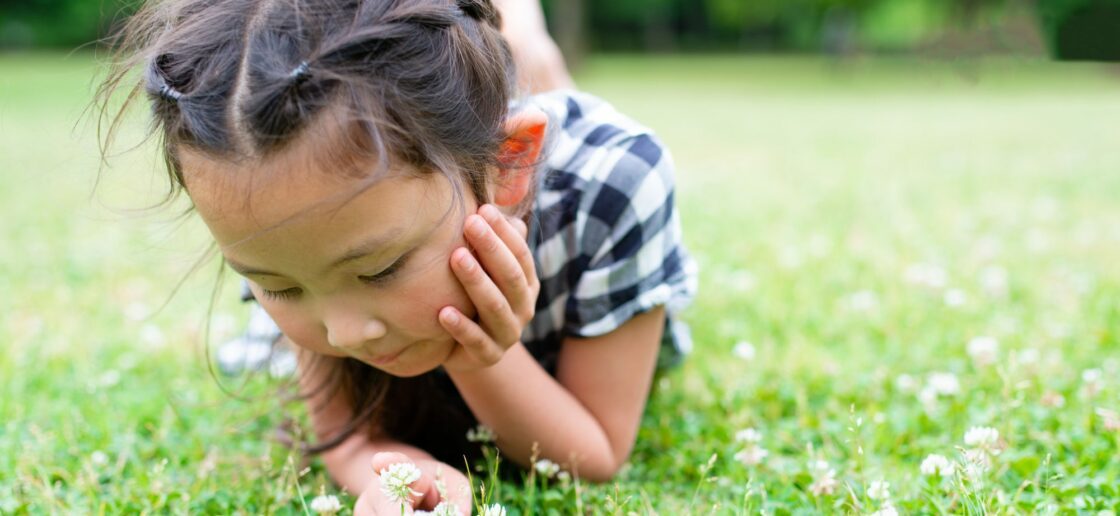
[386,274]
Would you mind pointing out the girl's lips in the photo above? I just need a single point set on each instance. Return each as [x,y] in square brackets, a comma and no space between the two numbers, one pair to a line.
[387,358]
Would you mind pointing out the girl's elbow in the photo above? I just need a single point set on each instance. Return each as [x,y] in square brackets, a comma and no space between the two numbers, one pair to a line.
[604,469]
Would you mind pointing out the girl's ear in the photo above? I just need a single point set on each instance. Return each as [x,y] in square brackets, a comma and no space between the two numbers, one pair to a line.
[517,158]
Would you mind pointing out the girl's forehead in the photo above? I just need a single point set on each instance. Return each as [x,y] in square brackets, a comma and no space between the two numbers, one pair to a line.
[237,201]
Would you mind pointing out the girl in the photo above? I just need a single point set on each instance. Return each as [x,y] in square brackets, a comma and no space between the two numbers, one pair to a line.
[440,255]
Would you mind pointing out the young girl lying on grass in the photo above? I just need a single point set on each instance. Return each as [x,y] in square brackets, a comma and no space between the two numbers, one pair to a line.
[439,254]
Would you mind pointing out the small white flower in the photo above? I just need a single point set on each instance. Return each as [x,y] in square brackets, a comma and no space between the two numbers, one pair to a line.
[326,504]
[944,384]
[824,478]
[955,298]
[926,275]
[983,350]
[98,458]
[1091,376]
[481,434]
[993,279]
[976,462]
[936,465]
[983,437]
[493,510]
[862,301]
[546,467]
[1027,356]
[446,509]
[1110,419]
[564,477]
[749,436]
[752,455]
[152,337]
[879,490]
[887,510]
[1051,399]
[744,350]
[905,383]
[396,481]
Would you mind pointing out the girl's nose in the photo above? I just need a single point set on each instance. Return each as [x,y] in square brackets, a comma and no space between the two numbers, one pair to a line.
[354,334]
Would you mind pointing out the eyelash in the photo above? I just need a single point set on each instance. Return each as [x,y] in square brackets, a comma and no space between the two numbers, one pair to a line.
[375,280]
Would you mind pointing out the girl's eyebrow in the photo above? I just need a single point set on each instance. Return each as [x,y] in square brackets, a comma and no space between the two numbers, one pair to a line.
[371,246]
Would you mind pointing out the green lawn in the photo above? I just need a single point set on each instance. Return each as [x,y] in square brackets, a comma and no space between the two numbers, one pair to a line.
[858,224]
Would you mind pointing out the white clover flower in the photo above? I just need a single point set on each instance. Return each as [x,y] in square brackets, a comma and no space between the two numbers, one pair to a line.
[152,337]
[1110,419]
[744,350]
[481,434]
[824,478]
[326,504]
[984,350]
[993,279]
[905,383]
[944,384]
[98,458]
[752,455]
[926,275]
[983,437]
[976,463]
[862,301]
[546,467]
[564,477]
[493,510]
[887,510]
[955,298]
[748,435]
[1051,399]
[1027,356]
[1092,376]
[396,481]
[879,490]
[936,465]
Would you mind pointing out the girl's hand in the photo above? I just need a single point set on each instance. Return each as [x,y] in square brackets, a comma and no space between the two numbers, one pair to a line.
[504,290]
[435,476]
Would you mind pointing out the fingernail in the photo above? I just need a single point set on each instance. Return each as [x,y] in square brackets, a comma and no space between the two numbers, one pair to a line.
[476,226]
[450,316]
[466,262]
[488,212]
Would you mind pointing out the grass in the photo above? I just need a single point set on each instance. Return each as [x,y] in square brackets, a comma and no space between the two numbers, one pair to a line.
[834,209]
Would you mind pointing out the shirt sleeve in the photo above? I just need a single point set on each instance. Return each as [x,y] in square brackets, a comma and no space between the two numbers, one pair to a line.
[634,259]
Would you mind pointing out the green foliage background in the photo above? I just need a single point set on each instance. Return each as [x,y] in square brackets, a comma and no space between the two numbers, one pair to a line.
[797,25]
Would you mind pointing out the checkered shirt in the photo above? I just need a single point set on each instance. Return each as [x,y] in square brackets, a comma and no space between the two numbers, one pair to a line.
[604,229]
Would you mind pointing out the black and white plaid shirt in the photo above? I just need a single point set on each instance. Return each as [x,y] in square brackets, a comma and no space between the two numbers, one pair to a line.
[604,231]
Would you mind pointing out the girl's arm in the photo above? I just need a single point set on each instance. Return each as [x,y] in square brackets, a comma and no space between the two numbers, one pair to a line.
[588,416]
[540,65]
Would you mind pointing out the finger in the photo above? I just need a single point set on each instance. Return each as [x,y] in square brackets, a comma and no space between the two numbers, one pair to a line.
[513,232]
[494,310]
[497,257]
[471,336]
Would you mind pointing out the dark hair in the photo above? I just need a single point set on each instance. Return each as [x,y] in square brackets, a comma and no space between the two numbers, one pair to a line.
[427,83]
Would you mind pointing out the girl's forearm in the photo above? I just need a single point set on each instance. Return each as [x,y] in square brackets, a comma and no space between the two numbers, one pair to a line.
[349,463]
[524,405]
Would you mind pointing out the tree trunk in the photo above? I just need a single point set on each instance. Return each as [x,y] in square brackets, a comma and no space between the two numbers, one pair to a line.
[569,22]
